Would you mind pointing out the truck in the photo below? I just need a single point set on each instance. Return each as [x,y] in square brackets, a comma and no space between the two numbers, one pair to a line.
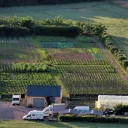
[54,109]
[34,115]
[16,99]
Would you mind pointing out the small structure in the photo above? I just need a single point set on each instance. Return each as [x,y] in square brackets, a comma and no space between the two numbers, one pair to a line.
[41,96]
[110,101]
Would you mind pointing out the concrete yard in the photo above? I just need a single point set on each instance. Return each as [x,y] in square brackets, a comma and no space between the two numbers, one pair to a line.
[9,112]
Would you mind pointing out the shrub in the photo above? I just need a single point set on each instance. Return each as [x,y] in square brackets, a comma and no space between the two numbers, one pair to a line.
[56,31]
[13,31]
[121,58]
[71,118]
[125,63]
[113,49]
[121,109]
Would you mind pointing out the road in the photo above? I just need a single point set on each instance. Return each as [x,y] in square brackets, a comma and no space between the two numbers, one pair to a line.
[9,112]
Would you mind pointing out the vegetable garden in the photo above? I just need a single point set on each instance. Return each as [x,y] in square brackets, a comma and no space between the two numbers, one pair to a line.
[73,61]
[82,67]
[11,83]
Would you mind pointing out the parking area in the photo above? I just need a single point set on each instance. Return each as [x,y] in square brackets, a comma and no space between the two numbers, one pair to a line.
[9,112]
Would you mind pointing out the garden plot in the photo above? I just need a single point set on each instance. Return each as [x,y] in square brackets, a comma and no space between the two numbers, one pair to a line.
[57,44]
[19,52]
[11,83]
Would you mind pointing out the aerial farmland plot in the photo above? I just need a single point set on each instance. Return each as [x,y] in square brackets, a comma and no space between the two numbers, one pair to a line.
[81,67]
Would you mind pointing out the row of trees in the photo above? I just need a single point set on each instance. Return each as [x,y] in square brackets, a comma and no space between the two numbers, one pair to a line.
[8,3]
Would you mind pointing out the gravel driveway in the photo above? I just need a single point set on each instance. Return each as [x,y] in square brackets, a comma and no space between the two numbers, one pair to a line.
[9,112]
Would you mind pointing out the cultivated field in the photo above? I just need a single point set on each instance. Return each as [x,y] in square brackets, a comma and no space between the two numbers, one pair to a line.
[26,124]
[112,15]
[79,67]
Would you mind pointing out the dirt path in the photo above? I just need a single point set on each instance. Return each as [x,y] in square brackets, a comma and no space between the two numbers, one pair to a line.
[111,59]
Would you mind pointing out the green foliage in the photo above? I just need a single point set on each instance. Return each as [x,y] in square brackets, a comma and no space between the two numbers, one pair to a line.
[125,63]
[71,118]
[7,3]
[121,109]
[114,50]
[56,31]
[13,31]
[24,67]
[84,39]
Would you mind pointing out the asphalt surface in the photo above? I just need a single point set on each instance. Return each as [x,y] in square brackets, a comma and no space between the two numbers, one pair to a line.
[9,112]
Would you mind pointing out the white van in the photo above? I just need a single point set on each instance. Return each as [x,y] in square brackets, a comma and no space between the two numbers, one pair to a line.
[16,99]
[34,115]
[82,108]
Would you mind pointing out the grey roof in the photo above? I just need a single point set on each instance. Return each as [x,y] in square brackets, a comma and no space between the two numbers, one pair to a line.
[43,91]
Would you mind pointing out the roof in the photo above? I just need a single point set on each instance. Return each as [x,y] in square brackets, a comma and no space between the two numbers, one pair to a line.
[43,91]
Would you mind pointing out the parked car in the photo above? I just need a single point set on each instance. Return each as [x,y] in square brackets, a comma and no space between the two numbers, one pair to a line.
[108,112]
[82,108]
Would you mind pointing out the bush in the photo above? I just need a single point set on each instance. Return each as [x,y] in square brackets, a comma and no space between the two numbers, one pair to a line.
[121,58]
[113,49]
[56,31]
[125,63]
[13,31]
[71,118]
[121,109]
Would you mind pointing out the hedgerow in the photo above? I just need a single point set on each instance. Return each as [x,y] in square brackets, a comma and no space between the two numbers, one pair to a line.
[8,3]
[24,26]
[72,118]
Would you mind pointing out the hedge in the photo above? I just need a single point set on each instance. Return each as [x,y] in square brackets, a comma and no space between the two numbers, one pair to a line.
[71,118]
[13,31]
[56,31]
[7,3]
[24,26]
[114,50]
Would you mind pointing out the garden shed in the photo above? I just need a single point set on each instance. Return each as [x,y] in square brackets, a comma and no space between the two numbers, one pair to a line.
[42,96]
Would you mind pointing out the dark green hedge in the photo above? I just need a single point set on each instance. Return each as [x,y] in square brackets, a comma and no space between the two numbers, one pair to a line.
[7,3]
[13,31]
[56,31]
[71,118]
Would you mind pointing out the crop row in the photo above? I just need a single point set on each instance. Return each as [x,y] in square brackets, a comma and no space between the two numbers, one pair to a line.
[95,86]
[23,67]
[73,56]
[26,76]
[85,69]
[78,62]
[19,86]
[91,76]
[57,44]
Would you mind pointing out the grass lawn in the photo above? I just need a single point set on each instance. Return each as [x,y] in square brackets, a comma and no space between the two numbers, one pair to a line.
[112,15]
[26,124]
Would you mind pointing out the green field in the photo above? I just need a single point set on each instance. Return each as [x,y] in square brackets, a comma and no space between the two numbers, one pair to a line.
[112,15]
[79,67]
[26,124]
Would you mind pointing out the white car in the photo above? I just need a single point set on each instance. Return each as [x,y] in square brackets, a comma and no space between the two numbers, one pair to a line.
[34,115]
